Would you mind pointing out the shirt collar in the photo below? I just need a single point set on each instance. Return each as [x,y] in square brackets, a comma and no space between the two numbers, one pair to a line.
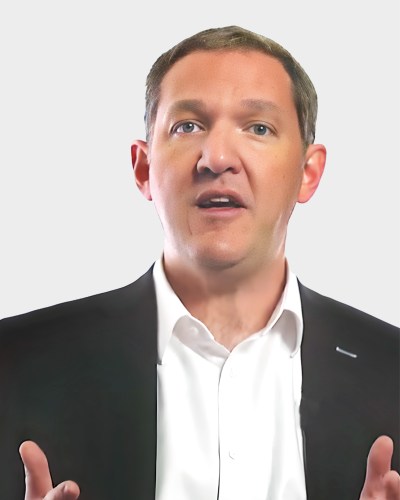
[170,309]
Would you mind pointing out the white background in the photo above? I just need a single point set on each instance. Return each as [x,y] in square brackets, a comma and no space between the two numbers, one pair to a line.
[72,100]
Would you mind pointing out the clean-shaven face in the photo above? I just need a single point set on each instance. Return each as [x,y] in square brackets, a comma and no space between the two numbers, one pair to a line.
[226,158]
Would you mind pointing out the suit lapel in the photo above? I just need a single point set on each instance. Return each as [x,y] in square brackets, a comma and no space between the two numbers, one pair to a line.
[144,323]
[333,424]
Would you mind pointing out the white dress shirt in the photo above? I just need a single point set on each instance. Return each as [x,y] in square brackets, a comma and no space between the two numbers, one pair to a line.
[228,425]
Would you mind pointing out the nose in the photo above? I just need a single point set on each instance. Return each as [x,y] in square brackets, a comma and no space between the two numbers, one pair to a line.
[219,153]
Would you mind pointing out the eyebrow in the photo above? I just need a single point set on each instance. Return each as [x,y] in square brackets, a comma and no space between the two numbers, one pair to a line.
[259,105]
[193,105]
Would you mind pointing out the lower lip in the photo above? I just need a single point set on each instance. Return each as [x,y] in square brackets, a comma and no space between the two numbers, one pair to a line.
[222,212]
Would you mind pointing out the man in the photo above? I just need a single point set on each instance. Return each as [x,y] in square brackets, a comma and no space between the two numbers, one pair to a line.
[216,375]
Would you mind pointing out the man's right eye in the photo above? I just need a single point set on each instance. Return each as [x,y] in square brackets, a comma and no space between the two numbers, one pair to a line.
[186,128]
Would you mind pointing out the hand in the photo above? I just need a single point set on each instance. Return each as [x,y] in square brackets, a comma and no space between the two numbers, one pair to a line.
[381,483]
[39,485]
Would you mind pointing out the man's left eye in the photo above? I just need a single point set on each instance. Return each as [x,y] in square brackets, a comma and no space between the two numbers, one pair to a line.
[187,128]
[260,129]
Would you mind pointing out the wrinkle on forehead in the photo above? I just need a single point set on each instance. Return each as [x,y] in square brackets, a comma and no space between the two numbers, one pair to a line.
[206,84]
[197,105]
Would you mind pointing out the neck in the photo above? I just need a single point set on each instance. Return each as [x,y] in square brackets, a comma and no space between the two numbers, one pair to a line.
[232,303]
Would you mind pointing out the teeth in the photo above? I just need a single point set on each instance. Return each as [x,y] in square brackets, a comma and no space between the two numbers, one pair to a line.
[222,199]
[219,201]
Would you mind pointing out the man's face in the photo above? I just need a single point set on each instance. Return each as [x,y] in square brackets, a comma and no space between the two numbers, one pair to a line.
[226,163]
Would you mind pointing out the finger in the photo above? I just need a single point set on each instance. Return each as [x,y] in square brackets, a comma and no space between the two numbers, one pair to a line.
[378,464]
[392,485]
[37,473]
[68,490]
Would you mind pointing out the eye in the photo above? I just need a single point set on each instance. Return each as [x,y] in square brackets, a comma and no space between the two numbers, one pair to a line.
[260,129]
[186,128]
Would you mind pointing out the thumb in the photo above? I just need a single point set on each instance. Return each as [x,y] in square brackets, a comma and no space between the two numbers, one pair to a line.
[380,456]
[378,464]
[37,473]
[68,490]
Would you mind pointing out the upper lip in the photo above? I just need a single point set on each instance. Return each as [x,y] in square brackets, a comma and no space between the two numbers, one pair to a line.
[220,193]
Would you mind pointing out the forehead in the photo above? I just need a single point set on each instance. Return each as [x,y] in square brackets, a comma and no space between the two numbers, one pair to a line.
[227,77]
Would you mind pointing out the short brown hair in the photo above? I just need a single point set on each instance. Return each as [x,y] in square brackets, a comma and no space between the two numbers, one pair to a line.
[236,38]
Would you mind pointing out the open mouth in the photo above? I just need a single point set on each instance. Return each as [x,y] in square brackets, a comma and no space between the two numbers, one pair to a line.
[219,200]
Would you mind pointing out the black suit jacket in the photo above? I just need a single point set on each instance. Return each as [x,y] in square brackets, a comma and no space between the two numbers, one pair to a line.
[80,379]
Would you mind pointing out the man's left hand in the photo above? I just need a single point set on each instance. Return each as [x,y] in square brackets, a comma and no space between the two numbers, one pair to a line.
[381,483]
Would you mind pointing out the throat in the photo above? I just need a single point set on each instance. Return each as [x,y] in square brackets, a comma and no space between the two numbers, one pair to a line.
[228,327]
[231,303]
[231,335]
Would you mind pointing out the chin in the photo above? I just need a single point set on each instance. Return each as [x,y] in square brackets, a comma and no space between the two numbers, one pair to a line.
[218,257]
[216,264]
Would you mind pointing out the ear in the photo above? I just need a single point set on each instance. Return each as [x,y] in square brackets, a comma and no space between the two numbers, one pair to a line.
[315,159]
[141,167]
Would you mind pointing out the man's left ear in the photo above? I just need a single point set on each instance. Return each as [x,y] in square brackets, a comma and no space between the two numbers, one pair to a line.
[314,165]
[141,167]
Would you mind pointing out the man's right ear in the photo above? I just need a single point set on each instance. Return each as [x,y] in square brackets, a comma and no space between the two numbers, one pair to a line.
[141,167]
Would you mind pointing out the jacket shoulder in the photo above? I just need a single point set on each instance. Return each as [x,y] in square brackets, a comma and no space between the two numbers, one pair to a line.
[322,310]
[129,299]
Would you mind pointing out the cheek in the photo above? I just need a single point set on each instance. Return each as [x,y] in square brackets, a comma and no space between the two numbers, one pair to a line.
[277,189]
[168,193]
[158,187]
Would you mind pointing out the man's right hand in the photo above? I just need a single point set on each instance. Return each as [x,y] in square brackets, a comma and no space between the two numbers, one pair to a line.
[39,485]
